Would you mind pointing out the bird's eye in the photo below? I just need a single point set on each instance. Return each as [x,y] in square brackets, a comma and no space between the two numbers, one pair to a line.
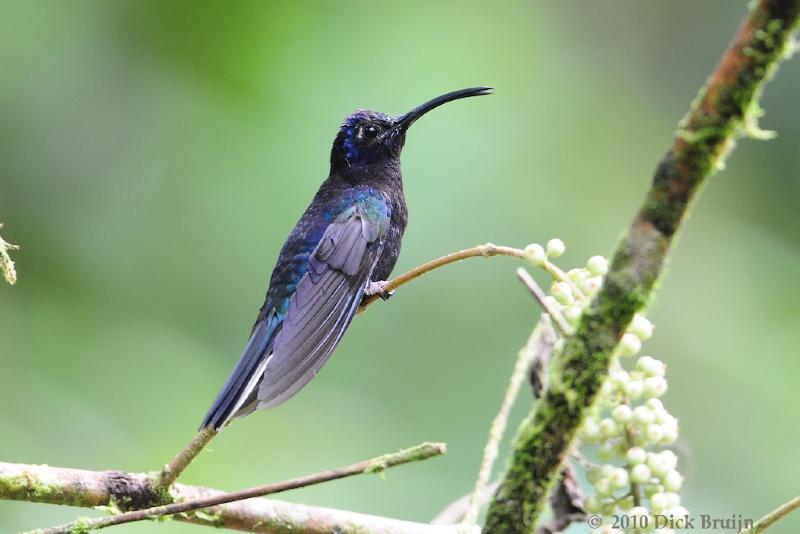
[371,131]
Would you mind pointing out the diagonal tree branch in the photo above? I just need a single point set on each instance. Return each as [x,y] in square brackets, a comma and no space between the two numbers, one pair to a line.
[727,106]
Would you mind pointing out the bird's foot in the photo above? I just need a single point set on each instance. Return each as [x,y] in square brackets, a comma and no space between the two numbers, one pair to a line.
[378,288]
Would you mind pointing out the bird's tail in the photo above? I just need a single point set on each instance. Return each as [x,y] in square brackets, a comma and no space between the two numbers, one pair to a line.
[244,378]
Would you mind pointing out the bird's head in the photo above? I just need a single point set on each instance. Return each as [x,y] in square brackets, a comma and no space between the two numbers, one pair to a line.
[369,137]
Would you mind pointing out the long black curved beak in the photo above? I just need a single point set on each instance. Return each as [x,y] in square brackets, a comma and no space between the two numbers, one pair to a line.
[404,121]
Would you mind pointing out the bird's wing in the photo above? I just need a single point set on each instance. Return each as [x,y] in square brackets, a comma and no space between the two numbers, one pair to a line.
[285,351]
[325,301]
[245,376]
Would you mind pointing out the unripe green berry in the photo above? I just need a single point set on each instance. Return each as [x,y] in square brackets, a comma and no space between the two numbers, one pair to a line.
[629,345]
[597,265]
[654,386]
[626,503]
[603,487]
[619,478]
[555,247]
[589,431]
[606,451]
[591,285]
[672,498]
[640,473]
[607,469]
[655,433]
[563,293]
[608,428]
[619,376]
[643,415]
[534,254]
[576,275]
[673,481]
[669,458]
[651,489]
[658,464]
[633,389]
[659,502]
[622,413]
[670,434]
[573,314]
[594,474]
[641,327]
[636,455]
[650,366]
[592,504]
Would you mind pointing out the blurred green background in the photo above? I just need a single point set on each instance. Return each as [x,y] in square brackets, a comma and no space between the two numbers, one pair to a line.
[154,155]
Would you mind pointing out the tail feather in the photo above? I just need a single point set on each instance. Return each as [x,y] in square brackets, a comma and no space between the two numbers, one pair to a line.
[245,377]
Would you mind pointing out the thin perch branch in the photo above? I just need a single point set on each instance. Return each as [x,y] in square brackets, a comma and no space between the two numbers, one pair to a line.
[178,465]
[482,251]
[725,108]
[771,518]
[375,465]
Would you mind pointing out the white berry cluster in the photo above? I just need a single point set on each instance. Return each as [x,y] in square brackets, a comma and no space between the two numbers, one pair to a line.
[630,426]
[628,423]
[571,291]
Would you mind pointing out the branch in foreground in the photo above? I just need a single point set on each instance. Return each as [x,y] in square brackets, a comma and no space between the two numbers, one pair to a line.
[771,518]
[77,487]
[727,104]
[375,465]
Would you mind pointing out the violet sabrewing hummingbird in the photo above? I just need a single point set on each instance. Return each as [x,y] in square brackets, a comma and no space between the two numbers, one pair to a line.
[343,248]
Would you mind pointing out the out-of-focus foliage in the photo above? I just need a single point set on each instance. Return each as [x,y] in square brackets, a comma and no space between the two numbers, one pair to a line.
[154,155]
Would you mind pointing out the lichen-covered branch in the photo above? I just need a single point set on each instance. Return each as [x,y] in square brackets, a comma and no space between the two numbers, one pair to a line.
[725,107]
[6,265]
[116,489]
[375,465]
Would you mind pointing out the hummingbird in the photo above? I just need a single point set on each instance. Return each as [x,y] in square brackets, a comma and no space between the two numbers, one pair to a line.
[342,249]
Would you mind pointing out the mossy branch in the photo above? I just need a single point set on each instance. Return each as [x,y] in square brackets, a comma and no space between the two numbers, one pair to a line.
[237,510]
[726,107]
[375,465]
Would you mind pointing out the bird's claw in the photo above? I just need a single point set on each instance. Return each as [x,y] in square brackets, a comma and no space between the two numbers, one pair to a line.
[378,288]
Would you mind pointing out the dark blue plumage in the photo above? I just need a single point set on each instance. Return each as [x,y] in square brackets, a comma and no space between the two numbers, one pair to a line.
[342,248]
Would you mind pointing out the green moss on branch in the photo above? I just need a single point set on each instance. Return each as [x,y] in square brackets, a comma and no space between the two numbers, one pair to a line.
[726,106]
